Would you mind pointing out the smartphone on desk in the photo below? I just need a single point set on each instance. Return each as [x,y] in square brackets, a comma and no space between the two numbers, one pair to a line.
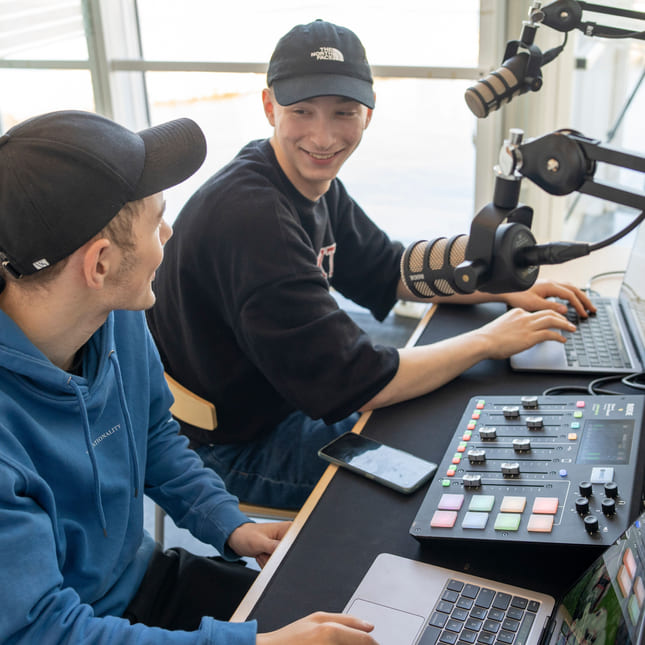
[389,466]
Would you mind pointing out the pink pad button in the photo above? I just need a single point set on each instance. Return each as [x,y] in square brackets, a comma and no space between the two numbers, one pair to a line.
[545,505]
[443,519]
[540,524]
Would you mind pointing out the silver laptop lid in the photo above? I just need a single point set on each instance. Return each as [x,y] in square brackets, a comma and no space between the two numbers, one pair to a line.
[632,293]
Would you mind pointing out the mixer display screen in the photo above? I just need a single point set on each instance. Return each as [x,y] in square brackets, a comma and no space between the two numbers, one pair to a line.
[607,442]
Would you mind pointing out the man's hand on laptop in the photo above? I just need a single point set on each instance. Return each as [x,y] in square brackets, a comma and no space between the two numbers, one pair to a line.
[537,298]
[321,628]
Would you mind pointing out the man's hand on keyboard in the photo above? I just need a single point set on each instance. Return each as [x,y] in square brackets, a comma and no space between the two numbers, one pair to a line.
[536,298]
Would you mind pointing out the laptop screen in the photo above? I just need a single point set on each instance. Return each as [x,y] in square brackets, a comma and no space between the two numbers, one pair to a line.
[632,292]
[607,604]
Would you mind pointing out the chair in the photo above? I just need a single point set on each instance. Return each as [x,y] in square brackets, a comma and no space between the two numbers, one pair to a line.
[193,409]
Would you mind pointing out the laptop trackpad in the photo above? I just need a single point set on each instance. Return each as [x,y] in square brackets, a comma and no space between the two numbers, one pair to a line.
[544,356]
[391,626]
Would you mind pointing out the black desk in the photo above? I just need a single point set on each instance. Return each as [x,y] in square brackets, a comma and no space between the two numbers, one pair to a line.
[356,519]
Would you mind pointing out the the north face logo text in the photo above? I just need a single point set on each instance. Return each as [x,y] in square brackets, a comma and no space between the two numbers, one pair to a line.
[328,53]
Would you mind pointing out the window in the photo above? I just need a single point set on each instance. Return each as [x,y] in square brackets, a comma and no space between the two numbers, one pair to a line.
[414,170]
[44,51]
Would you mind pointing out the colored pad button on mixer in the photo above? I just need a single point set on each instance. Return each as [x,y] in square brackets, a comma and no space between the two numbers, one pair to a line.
[474,520]
[480,404]
[450,502]
[482,503]
[545,505]
[444,519]
[507,521]
[540,524]
[511,504]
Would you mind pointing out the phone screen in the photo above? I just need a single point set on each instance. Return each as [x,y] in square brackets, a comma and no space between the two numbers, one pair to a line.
[389,466]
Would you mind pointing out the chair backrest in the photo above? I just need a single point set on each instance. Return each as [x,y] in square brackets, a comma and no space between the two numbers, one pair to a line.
[191,408]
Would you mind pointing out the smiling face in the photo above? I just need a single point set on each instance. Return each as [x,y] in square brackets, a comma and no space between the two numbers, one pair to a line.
[133,280]
[312,139]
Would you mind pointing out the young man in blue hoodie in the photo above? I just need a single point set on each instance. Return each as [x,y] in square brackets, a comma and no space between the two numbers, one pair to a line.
[85,428]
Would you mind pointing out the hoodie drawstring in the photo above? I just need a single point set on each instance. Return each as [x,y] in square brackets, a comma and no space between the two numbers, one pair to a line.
[90,452]
[134,461]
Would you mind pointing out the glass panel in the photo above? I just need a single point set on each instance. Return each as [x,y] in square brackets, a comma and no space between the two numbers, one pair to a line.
[28,92]
[608,105]
[412,32]
[42,30]
[413,173]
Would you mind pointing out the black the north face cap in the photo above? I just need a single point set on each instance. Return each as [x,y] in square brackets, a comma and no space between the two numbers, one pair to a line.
[320,59]
[65,175]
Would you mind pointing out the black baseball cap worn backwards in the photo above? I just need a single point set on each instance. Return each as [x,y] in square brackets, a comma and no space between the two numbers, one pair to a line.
[64,175]
[320,59]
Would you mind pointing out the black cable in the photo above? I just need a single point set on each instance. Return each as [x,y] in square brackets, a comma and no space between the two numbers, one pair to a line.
[630,380]
[593,389]
[563,389]
[616,236]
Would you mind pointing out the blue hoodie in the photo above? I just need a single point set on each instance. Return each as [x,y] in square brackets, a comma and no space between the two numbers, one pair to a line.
[76,455]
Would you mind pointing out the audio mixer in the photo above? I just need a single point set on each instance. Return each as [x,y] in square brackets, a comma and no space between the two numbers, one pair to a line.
[538,469]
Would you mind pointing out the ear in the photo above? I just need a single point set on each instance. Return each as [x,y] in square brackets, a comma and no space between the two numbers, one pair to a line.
[368,118]
[267,102]
[98,255]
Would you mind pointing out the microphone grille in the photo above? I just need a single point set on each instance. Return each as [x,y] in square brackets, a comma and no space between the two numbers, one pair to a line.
[414,271]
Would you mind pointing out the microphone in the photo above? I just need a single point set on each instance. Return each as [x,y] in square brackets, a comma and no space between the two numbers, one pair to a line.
[502,85]
[428,268]
[438,267]
[520,72]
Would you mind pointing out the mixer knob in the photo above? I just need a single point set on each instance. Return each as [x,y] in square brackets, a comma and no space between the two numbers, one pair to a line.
[608,506]
[487,434]
[611,489]
[529,402]
[582,505]
[586,489]
[591,524]
[511,411]
[477,456]
[534,422]
[472,481]
[511,469]
[521,445]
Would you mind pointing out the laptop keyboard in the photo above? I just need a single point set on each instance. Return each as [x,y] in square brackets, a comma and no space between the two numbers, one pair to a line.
[468,614]
[597,342]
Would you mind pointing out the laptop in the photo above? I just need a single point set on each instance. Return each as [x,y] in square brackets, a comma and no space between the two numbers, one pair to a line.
[413,603]
[611,342]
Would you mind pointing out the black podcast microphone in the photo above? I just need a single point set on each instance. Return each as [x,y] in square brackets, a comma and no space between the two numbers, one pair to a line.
[504,84]
[428,267]
[520,72]
[432,268]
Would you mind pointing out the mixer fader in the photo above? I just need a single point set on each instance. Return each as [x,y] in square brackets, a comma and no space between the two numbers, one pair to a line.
[541,469]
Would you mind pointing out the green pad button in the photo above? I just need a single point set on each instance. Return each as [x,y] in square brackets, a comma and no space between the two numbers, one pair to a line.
[482,503]
[507,521]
